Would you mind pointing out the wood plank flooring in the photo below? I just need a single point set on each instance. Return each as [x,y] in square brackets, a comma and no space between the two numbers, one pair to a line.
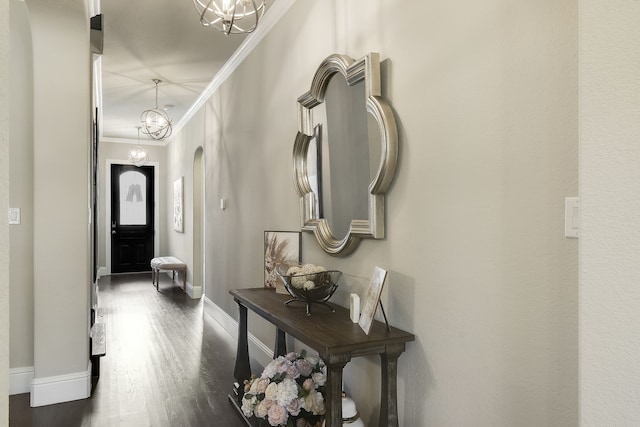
[166,364]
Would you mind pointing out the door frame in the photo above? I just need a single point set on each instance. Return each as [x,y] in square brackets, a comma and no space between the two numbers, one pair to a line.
[156,209]
[198,222]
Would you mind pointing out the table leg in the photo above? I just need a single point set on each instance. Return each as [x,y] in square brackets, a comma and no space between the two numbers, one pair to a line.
[333,406]
[242,369]
[280,348]
[389,386]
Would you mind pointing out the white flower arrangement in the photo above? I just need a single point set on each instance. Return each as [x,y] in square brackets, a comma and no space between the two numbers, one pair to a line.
[289,393]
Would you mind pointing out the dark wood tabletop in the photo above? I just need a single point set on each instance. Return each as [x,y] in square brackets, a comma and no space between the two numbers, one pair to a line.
[324,331]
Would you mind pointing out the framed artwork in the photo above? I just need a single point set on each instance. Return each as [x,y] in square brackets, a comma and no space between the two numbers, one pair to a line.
[279,247]
[372,299]
[178,215]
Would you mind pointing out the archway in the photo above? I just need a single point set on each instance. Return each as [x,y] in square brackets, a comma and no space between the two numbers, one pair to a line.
[198,220]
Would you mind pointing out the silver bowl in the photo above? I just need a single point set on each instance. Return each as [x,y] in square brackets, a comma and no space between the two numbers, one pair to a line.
[324,285]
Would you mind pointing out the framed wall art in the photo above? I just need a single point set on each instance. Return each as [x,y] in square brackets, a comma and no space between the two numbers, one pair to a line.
[279,247]
[178,214]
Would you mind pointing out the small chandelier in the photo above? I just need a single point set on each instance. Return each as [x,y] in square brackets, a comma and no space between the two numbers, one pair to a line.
[156,123]
[230,16]
[138,155]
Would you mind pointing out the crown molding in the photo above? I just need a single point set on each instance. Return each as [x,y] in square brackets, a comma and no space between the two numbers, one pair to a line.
[130,141]
[268,21]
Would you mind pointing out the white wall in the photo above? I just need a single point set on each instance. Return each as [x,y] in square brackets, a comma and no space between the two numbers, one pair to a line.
[610,202]
[4,205]
[486,100]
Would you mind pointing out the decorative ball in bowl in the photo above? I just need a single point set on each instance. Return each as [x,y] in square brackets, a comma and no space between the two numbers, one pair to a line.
[309,283]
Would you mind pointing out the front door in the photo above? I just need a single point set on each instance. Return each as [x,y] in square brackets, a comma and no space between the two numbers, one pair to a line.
[132,225]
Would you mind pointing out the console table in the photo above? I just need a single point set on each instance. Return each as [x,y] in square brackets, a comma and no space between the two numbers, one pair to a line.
[336,339]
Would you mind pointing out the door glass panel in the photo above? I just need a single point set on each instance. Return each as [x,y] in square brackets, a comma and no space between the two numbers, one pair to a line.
[133,209]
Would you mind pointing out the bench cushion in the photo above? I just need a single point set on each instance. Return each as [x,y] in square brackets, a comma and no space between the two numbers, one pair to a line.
[167,263]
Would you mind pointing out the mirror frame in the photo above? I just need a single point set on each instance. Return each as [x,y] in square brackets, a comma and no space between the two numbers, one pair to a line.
[367,68]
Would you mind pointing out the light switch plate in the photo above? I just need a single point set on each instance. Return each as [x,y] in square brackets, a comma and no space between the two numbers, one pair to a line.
[14,215]
[572,217]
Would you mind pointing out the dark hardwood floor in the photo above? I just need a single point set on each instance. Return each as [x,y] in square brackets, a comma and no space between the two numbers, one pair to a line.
[166,364]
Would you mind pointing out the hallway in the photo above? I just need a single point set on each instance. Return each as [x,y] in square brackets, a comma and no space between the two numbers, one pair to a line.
[166,364]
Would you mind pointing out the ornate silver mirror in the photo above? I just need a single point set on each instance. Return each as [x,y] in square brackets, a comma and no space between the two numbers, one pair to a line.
[345,153]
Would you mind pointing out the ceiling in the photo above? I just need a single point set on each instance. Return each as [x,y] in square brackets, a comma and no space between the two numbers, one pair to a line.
[155,39]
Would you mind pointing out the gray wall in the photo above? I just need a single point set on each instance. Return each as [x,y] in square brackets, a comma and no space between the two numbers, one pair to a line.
[62,90]
[120,151]
[21,152]
[4,204]
[610,202]
[486,100]
[49,270]
[496,320]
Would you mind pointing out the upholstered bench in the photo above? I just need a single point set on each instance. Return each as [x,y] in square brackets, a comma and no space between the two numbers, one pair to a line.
[168,263]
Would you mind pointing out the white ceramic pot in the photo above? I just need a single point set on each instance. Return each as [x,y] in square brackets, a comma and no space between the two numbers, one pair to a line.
[350,416]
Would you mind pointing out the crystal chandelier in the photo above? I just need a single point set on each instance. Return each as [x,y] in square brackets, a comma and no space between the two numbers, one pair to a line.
[138,155]
[156,123]
[230,16]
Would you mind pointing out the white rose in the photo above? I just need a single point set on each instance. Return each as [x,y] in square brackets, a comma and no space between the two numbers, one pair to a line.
[263,408]
[319,378]
[247,405]
[314,403]
[271,392]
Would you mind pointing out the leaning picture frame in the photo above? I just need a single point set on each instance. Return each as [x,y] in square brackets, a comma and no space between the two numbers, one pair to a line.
[279,247]
[372,299]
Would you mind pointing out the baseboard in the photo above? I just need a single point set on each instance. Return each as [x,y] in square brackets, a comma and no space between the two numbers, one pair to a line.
[20,380]
[194,292]
[61,388]
[257,349]
[102,271]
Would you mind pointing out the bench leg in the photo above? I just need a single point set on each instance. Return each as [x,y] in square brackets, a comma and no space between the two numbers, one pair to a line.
[155,277]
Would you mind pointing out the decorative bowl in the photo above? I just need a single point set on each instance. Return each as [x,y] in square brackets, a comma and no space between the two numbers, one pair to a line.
[309,287]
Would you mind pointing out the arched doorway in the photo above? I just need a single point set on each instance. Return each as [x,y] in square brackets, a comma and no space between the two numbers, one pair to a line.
[198,221]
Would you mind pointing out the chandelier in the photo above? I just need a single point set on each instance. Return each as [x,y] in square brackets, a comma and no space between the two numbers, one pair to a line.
[230,16]
[156,123]
[138,155]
